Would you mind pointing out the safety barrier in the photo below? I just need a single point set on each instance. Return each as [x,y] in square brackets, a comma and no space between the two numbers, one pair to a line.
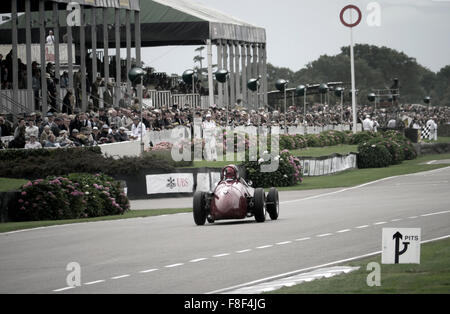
[321,166]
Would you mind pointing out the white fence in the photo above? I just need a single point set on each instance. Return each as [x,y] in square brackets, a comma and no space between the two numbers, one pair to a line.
[325,166]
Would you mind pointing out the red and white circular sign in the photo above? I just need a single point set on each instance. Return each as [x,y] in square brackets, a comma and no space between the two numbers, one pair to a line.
[351,7]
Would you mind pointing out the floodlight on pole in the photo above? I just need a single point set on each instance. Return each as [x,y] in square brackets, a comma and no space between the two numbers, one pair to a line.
[135,75]
[301,91]
[222,77]
[281,85]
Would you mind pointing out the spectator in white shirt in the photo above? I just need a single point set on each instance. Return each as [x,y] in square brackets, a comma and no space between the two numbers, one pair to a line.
[33,144]
[367,124]
[31,129]
[50,38]
[137,129]
[433,129]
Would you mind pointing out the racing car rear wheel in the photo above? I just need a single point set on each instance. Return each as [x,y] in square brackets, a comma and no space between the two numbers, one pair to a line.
[273,204]
[199,208]
[259,210]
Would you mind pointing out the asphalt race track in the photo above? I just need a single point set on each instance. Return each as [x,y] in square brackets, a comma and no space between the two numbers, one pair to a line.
[169,254]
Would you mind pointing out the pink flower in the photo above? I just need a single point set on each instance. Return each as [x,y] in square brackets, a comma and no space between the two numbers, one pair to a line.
[22,208]
[21,201]
[24,193]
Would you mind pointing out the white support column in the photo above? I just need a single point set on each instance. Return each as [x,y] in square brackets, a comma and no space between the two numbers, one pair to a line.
[232,76]
[57,62]
[94,43]
[42,44]
[226,67]
[118,71]
[30,96]
[137,29]
[250,100]
[261,72]
[237,56]
[15,65]
[244,73]
[210,73]
[128,41]
[264,76]
[220,66]
[83,60]
[70,56]
[255,72]
[105,46]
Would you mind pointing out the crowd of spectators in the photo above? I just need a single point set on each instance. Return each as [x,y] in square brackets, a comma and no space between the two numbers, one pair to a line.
[113,125]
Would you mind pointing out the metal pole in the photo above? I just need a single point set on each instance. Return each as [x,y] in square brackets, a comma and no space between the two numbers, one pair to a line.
[352,64]
[285,112]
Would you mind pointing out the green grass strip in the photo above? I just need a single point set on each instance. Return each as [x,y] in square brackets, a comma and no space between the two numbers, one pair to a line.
[13,226]
[431,276]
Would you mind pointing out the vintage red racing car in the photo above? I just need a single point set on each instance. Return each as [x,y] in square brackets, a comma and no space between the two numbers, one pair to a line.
[234,198]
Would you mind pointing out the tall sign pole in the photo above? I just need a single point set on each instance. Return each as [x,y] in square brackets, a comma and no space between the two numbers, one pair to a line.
[352,58]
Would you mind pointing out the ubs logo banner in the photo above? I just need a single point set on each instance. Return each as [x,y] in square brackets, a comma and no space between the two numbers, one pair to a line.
[170,183]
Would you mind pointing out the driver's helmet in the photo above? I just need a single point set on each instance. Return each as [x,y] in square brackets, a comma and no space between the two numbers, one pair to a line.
[230,173]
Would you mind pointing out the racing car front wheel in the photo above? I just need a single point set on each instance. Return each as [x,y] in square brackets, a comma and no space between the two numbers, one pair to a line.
[199,208]
[273,204]
[259,209]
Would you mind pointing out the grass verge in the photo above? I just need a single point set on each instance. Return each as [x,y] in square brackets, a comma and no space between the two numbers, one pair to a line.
[13,226]
[7,184]
[431,276]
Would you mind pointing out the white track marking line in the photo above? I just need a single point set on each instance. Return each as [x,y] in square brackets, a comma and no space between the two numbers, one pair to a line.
[324,235]
[243,251]
[343,231]
[93,282]
[197,260]
[283,243]
[63,289]
[120,277]
[174,265]
[437,213]
[380,223]
[413,217]
[264,246]
[221,255]
[362,227]
[398,219]
[302,239]
[431,162]
[148,271]
[308,268]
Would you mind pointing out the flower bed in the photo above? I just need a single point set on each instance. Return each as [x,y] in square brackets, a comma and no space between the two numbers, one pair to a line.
[288,173]
[71,197]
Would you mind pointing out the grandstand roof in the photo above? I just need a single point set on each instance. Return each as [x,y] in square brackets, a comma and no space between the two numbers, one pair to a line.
[163,23]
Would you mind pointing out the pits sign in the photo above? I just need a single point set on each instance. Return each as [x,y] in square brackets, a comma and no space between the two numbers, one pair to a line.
[401,246]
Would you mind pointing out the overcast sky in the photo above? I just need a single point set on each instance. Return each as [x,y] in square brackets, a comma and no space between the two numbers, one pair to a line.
[300,31]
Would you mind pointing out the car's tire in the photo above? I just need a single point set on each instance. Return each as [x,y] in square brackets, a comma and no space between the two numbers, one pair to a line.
[273,204]
[259,210]
[199,209]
